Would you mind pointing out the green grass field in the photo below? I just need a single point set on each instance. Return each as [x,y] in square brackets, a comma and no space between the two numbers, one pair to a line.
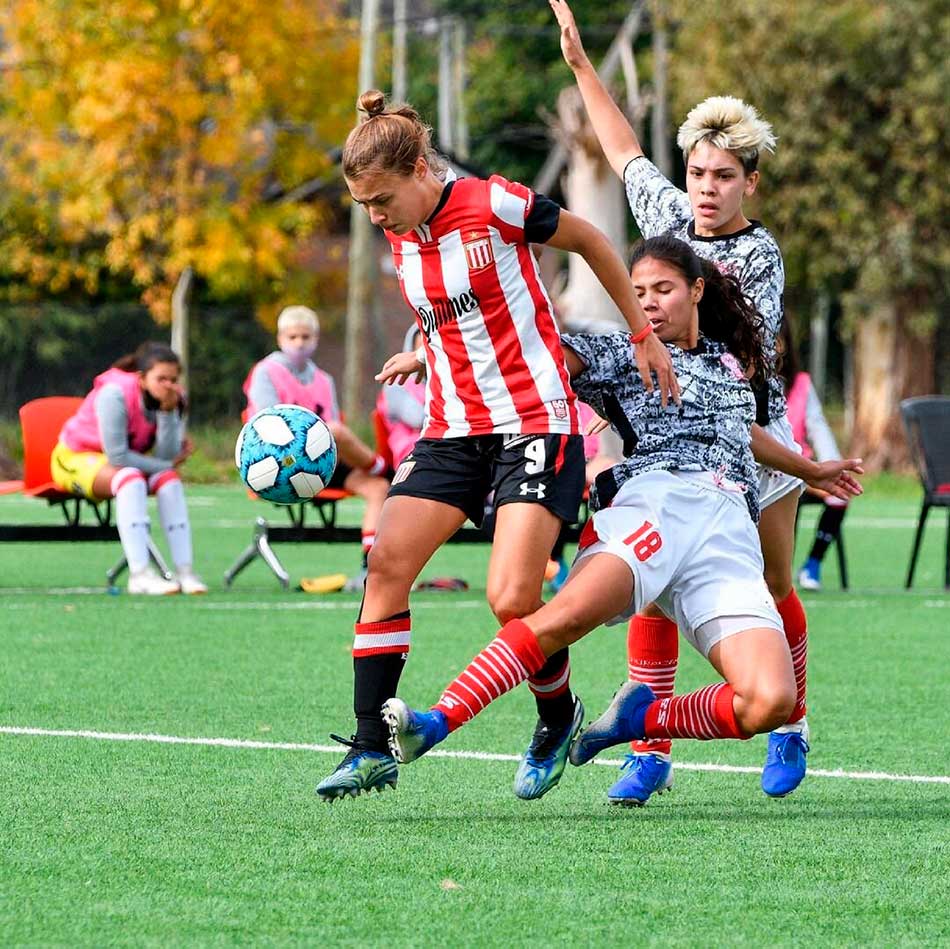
[142,842]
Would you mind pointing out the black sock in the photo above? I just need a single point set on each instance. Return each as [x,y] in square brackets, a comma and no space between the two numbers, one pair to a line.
[557,551]
[828,527]
[375,679]
[557,711]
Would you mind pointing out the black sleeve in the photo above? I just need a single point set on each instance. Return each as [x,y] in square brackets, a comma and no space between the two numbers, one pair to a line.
[542,220]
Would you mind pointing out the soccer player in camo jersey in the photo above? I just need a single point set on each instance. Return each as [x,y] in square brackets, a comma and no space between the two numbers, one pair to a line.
[500,415]
[721,139]
[673,523]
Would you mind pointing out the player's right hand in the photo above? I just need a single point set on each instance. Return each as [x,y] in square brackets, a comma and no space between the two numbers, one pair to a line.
[653,358]
[401,367]
[571,45]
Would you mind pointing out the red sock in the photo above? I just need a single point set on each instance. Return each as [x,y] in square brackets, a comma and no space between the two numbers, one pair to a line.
[707,713]
[796,632]
[505,662]
[652,657]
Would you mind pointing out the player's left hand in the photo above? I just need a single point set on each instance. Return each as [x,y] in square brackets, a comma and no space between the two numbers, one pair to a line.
[400,368]
[596,425]
[837,478]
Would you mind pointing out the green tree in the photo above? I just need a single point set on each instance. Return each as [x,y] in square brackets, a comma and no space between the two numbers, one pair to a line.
[857,91]
[140,137]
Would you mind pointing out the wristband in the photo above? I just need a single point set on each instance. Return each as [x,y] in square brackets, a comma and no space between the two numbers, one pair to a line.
[421,356]
[636,338]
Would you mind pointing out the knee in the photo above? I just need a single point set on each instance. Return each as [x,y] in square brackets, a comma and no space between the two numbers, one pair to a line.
[161,479]
[779,582]
[768,707]
[510,601]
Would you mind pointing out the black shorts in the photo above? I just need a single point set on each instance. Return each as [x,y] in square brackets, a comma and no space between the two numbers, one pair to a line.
[535,469]
[340,474]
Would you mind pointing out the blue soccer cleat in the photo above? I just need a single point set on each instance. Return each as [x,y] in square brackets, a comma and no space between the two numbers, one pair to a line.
[623,721]
[412,733]
[809,577]
[785,764]
[559,578]
[641,776]
[543,763]
[361,771]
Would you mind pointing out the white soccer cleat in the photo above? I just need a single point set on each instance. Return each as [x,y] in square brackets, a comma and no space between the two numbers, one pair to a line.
[148,583]
[191,583]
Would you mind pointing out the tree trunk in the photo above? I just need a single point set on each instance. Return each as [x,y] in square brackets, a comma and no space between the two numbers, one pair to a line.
[893,360]
[594,193]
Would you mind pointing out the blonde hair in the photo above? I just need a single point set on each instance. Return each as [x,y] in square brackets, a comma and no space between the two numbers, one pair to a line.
[297,316]
[388,139]
[730,124]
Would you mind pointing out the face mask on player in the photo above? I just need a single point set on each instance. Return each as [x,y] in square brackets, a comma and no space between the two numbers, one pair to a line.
[298,355]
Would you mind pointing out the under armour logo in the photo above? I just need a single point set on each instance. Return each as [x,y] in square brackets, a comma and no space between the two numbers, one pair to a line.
[526,489]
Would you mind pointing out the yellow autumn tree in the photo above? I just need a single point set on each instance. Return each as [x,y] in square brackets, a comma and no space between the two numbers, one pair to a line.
[140,137]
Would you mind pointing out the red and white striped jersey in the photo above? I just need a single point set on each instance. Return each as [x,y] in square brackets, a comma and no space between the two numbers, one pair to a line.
[493,353]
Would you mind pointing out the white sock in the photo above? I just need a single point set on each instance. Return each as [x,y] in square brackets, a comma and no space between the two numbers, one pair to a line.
[173,514]
[131,516]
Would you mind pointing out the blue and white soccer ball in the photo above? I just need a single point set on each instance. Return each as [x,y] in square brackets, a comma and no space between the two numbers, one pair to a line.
[286,454]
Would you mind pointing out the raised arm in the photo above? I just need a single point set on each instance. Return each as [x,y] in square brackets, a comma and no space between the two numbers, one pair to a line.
[616,135]
[581,237]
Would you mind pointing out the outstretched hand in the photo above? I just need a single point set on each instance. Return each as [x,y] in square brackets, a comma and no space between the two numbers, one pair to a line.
[652,357]
[571,46]
[401,367]
[837,478]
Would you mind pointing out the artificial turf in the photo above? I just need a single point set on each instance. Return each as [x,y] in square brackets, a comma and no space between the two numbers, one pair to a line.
[130,842]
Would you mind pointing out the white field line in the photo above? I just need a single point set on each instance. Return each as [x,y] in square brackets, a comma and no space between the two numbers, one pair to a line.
[438,753]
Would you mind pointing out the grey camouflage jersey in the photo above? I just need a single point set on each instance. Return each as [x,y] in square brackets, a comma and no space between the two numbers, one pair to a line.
[751,255]
[710,431]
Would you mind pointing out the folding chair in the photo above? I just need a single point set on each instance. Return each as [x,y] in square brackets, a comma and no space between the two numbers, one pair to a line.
[40,424]
[927,421]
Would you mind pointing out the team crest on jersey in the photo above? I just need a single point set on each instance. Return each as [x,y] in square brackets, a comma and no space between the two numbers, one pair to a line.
[560,408]
[478,251]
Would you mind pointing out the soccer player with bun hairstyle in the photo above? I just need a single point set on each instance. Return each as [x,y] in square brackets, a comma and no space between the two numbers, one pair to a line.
[126,441]
[500,414]
[673,524]
[722,140]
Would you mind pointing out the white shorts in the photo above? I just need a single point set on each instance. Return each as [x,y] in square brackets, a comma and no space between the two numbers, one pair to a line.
[774,485]
[693,550]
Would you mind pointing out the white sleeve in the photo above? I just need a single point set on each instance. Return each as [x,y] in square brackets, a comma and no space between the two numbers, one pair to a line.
[817,430]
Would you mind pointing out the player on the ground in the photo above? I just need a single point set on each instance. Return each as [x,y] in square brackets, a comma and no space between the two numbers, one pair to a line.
[721,140]
[290,375]
[127,441]
[500,414]
[672,525]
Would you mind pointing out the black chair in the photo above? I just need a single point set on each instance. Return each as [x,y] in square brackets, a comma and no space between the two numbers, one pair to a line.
[927,420]
[809,498]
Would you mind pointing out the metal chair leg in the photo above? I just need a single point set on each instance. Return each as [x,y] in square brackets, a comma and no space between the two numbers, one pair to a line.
[842,561]
[259,547]
[924,511]
[155,555]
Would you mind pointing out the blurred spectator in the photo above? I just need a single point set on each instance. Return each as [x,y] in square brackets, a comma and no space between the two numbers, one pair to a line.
[134,407]
[290,375]
[811,431]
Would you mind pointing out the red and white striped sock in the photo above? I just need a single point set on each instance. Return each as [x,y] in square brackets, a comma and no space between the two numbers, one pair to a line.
[652,657]
[706,713]
[505,662]
[386,637]
[796,633]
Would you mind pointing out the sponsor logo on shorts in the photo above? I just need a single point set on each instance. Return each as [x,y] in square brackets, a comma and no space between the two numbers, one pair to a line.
[403,472]
[525,489]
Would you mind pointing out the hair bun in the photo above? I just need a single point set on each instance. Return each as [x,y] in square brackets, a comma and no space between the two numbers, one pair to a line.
[372,102]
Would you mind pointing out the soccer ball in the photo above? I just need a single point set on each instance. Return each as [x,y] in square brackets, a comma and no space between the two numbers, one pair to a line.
[285,454]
